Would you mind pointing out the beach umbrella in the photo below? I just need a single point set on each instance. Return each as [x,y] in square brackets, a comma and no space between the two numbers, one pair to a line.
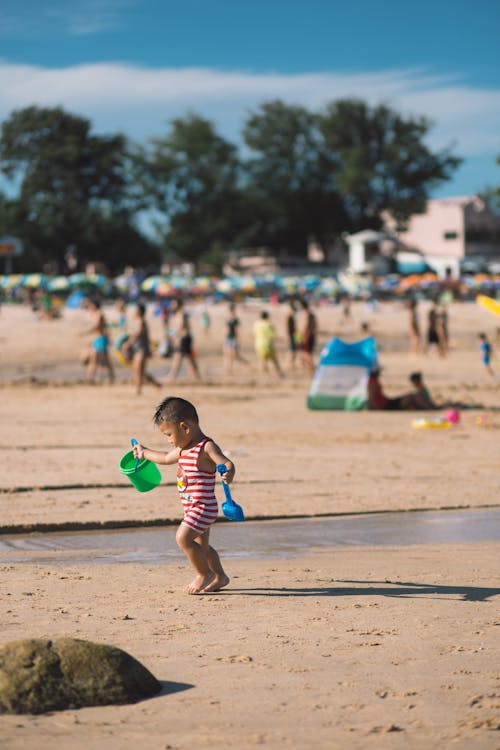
[123,282]
[166,289]
[58,284]
[179,282]
[226,286]
[77,279]
[34,280]
[328,287]
[5,281]
[12,280]
[202,285]
[310,282]
[245,284]
[97,280]
[289,284]
[151,283]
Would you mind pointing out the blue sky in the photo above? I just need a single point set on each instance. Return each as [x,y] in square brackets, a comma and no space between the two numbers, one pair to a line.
[132,65]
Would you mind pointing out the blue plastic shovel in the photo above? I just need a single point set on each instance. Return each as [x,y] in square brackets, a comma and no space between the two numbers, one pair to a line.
[134,442]
[231,510]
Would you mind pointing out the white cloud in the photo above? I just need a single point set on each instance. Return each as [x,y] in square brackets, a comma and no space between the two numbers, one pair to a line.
[139,101]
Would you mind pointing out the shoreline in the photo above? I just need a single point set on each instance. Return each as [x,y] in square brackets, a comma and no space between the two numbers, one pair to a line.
[131,524]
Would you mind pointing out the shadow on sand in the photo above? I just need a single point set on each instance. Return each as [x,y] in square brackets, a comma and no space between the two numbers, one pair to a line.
[168,688]
[377,588]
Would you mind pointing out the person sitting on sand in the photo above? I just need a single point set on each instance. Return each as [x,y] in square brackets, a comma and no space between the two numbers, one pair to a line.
[197,457]
[378,400]
[422,397]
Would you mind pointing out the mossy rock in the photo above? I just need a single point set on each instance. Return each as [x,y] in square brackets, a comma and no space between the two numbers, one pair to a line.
[40,675]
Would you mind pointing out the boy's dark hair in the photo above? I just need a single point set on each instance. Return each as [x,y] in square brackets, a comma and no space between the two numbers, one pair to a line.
[416,378]
[175,410]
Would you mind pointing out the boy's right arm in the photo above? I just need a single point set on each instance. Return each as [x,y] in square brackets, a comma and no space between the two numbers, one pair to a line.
[158,457]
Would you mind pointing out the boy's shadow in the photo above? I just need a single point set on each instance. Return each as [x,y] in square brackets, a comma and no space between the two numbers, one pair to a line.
[377,588]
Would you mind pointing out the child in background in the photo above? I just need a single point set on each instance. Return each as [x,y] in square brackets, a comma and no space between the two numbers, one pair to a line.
[486,352]
[196,456]
[264,343]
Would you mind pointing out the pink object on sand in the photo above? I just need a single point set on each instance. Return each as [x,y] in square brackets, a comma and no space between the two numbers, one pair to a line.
[453,416]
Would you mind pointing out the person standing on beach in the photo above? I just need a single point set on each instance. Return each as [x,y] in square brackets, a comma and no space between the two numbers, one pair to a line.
[435,334]
[197,457]
[486,353]
[307,330]
[231,342]
[414,327]
[139,348]
[443,328]
[98,352]
[183,350]
[291,333]
[265,343]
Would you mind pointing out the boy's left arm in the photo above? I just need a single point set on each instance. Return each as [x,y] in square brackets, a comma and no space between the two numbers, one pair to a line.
[215,454]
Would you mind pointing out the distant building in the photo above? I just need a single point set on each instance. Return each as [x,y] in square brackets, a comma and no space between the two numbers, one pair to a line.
[454,233]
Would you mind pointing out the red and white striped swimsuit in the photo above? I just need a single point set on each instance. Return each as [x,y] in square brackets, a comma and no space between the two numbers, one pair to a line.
[197,490]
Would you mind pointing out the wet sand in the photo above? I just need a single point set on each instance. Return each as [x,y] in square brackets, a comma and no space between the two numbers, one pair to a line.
[285,538]
[341,647]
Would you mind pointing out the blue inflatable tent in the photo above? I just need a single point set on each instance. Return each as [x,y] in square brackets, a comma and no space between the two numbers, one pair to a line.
[341,378]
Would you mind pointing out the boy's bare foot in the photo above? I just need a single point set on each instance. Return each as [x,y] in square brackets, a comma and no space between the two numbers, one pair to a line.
[218,583]
[199,583]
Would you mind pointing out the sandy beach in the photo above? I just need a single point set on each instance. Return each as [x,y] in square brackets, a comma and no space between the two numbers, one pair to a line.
[349,647]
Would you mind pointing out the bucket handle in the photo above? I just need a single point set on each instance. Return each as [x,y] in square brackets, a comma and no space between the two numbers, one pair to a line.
[134,442]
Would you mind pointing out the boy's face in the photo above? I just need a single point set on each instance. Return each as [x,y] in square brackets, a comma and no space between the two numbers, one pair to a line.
[178,434]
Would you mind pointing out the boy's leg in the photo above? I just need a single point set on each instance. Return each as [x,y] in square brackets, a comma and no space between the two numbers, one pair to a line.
[221,579]
[196,553]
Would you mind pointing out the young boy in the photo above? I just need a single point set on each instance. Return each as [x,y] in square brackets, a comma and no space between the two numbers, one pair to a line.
[196,456]
[486,352]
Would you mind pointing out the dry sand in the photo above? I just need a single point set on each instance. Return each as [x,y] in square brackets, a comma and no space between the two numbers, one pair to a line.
[350,647]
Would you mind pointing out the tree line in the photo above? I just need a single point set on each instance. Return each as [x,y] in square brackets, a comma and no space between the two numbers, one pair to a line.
[297,175]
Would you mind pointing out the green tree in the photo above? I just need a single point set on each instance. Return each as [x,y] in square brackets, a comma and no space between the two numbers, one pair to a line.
[380,161]
[74,187]
[292,184]
[191,179]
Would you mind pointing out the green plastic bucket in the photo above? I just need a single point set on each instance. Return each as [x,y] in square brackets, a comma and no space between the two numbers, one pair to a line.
[147,476]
